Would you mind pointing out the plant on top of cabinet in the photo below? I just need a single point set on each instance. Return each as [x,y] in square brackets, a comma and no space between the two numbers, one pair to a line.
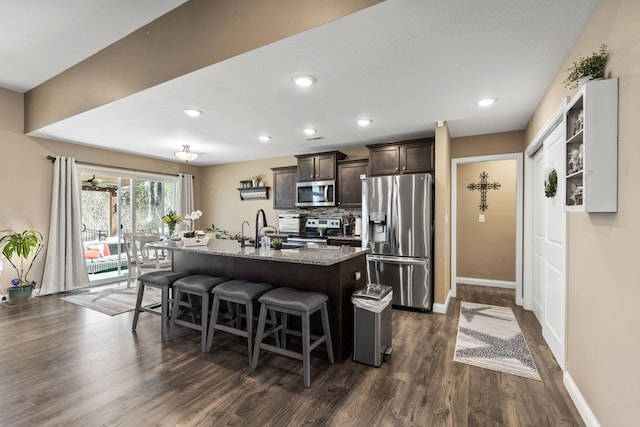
[588,68]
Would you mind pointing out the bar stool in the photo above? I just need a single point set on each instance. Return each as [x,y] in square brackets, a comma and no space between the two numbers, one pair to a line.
[300,303]
[199,285]
[163,280]
[241,292]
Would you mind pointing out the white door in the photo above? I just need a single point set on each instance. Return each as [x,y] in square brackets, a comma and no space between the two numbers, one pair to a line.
[549,245]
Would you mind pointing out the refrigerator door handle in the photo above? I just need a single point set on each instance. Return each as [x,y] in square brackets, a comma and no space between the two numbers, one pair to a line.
[397,260]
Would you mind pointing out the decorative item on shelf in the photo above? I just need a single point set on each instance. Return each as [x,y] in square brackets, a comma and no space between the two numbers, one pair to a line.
[579,124]
[255,180]
[551,183]
[172,219]
[26,247]
[587,68]
[245,183]
[576,196]
[276,244]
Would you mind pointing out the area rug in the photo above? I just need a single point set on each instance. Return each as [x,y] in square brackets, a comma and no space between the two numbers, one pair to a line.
[112,301]
[489,337]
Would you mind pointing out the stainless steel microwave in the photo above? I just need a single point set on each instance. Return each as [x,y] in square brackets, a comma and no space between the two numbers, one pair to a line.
[316,193]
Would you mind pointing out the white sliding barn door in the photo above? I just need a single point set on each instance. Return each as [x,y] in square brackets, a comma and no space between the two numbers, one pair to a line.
[549,244]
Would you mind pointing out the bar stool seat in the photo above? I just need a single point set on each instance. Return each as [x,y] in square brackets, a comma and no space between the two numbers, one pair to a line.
[241,292]
[163,280]
[198,285]
[300,303]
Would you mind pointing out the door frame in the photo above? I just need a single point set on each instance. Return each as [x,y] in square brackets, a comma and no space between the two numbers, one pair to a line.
[519,214]
[556,119]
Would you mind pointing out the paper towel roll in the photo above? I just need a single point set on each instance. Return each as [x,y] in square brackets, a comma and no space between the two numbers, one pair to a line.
[358,230]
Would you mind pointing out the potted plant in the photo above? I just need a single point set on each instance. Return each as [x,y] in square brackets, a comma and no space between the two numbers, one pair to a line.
[25,247]
[587,68]
[276,244]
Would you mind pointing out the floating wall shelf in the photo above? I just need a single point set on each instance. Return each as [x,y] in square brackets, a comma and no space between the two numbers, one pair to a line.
[254,193]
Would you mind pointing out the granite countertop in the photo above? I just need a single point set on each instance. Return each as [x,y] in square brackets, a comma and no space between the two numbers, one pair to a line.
[317,255]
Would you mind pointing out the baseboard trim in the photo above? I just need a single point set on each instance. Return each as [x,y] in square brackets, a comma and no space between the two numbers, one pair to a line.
[486,282]
[442,308]
[581,404]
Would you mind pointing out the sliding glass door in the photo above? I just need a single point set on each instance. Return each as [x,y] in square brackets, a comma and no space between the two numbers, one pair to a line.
[116,202]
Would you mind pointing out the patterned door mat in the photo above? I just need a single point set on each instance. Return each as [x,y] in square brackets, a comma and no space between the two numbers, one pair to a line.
[489,337]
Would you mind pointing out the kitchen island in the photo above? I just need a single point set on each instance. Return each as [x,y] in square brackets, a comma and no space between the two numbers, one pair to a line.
[334,270]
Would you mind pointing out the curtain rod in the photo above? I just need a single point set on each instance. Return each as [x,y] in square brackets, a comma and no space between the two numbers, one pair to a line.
[53,160]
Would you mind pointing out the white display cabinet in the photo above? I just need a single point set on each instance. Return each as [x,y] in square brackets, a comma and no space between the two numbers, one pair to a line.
[591,181]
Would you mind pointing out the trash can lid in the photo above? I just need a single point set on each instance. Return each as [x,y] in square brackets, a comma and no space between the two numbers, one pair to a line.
[373,291]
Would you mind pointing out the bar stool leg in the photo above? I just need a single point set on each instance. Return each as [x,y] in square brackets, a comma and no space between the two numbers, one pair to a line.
[164,313]
[306,343]
[138,305]
[174,312]
[259,335]
[249,315]
[327,332]
[204,319]
[214,316]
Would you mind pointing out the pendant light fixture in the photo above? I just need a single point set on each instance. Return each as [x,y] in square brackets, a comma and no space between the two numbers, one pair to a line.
[185,155]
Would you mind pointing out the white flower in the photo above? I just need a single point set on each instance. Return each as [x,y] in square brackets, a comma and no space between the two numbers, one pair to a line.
[194,215]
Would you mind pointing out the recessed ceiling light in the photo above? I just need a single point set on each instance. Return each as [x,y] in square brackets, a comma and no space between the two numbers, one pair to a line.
[485,102]
[264,138]
[310,131]
[364,122]
[192,112]
[303,81]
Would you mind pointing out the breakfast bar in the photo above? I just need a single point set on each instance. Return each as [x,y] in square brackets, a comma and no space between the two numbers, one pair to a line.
[336,271]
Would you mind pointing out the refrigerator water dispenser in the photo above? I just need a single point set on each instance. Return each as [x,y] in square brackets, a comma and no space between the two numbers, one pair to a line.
[378,227]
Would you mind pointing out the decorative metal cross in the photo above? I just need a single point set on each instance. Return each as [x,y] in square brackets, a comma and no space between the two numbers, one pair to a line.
[483,186]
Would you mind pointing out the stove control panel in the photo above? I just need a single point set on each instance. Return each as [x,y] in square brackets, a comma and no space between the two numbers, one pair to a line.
[323,222]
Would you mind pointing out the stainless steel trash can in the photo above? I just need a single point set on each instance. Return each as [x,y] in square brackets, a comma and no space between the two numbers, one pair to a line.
[372,324]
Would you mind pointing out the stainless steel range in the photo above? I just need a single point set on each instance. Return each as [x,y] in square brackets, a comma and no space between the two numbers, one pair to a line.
[316,231]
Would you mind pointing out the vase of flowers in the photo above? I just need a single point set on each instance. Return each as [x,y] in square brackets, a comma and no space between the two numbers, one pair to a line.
[172,219]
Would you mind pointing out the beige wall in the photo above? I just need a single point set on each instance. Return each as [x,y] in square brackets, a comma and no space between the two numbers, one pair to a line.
[25,173]
[603,324]
[442,220]
[221,204]
[486,250]
[484,145]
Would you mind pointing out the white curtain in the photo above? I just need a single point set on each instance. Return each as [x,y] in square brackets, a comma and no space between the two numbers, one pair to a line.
[65,266]
[184,197]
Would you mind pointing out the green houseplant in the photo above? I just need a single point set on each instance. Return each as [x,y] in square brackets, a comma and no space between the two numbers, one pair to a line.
[25,247]
[588,67]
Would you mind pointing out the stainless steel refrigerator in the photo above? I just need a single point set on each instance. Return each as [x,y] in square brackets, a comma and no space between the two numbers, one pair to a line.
[397,228]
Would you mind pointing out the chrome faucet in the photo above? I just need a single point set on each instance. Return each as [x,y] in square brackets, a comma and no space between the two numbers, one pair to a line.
[242,233]
[256,242]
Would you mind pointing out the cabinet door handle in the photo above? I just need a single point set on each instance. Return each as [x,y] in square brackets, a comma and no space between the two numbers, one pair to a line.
[397,168]
[310,176]
[404,168]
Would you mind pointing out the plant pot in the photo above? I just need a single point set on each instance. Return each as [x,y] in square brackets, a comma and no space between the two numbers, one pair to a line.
[19,294]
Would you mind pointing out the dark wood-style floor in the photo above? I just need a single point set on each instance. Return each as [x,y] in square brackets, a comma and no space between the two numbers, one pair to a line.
[64,365]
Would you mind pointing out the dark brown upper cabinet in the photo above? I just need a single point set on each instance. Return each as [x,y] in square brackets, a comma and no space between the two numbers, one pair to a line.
[284,187]
[413,156]
[350,183]
[318,167]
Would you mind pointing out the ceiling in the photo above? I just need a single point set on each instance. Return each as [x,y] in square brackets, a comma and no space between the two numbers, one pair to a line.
[405,64]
